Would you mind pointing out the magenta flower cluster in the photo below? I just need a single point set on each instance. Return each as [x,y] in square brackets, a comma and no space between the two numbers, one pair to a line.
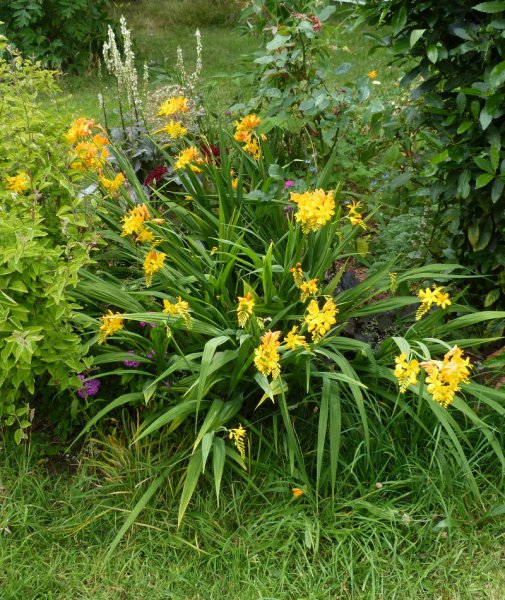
[89,388]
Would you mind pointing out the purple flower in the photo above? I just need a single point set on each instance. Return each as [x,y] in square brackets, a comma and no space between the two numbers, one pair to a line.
[151,354]
[89,388]
[289,183]
[131,363]
[145,324]
[167,384]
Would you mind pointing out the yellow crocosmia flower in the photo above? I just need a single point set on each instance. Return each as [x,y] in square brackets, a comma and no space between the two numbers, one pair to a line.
[432,297]
[406,372]
[297,274]
[174,129]
[294,340]
[234,184]
[189,156]
[134,221]
[18,183]
[314,209]
[79,129]
[113,185]
[308,288]
[238,436]
[372,74]
[266,355]
[152,264]
[87,156]
[320,321]
[243,136]
[100,140]
[248,123]
[178,309]
[355,216]
[297,492]
[445,376]
[112,322]
[145,236]
[245,309]
[173,105]
[252,148]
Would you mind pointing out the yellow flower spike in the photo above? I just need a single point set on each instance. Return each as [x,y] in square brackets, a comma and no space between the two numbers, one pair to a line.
[245,309]
[294,340]
[112,322]
[18,183]
[145,235]
[174,129]
[173,105]
[297,274]
[152,264]
[134,221]
[297,492]
[266,355]
[113,185]
[355,216]
[406,372]
[179,309]
[80,128]
[189,156]
[445,376]
[314,209]
[252,148]
[320,321]
[308,288]
[238,436]
[432,297]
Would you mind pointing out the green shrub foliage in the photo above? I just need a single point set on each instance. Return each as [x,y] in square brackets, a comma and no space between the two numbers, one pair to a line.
[43,242]
[61,33]
[455,54]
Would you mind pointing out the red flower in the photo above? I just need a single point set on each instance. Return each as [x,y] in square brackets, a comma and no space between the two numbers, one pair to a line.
[211,153]
[155,176]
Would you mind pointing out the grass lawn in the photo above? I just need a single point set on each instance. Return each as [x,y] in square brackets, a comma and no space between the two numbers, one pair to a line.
[385,544]
[227,53]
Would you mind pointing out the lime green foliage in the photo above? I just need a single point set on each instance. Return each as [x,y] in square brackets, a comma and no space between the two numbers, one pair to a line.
[61,33]
[43,244]
[457,53]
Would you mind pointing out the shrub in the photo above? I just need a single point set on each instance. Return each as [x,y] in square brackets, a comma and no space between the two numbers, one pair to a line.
[44,241]
[61,33]
[457,49]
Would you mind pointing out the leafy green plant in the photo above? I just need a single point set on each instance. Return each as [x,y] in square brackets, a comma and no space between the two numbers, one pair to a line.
[227,272]
[45,237]
[455,53]
[61,33]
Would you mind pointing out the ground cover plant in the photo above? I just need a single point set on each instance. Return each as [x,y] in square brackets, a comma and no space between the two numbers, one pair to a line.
[244,389]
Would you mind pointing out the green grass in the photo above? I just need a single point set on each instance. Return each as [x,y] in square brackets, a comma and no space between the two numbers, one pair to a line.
[385,544]
[227,52]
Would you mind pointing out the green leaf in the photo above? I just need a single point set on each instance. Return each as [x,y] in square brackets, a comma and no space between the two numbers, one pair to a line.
[277,42]
[490,7]
[485,119]
[18,436]
[432,53]
[483,180]
[322,427]
[464,127]
[415,36]
[473,234]
[399,19]
[492,297]
[218,460]
[192,475]
[497,75]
